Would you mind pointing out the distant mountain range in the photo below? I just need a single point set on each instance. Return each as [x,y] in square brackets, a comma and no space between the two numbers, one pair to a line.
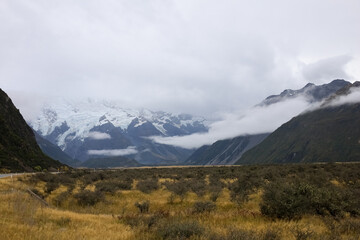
[102,134]
[328,134]
[100,129]
[18,148]
[230,151]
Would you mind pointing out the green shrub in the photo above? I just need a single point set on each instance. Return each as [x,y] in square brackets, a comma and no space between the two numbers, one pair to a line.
[243,187]
[198,186]
[124,184]
[88,198]
[148,185]
[200,207]
[215,191]
[37,168]
[180,188]
[180,230]
[106,187]
[51,186]
[292,200]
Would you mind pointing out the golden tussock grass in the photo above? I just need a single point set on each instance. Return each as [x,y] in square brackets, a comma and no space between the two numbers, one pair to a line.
[23,217]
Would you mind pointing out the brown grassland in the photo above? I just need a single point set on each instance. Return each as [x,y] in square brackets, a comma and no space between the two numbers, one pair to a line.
[314,201]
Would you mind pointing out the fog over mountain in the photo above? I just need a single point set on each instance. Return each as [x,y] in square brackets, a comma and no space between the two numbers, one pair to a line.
[264,117]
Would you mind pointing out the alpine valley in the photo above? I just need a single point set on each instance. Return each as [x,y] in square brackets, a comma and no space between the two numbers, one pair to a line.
[92,131]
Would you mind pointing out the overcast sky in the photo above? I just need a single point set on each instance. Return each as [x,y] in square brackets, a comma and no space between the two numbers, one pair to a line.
[195,56]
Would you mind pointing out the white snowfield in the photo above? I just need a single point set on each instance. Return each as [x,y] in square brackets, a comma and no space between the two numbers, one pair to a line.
[82,116]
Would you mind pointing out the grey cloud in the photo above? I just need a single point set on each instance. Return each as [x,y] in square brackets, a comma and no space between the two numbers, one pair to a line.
[351,98]
[329,68]
[113,152]
[253,121]
[98,135]
[200,57]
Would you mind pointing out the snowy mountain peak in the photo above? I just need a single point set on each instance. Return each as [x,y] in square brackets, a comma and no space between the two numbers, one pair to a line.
[70,124]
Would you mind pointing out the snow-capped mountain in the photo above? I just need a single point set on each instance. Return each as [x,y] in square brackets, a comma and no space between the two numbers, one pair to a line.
[89,129]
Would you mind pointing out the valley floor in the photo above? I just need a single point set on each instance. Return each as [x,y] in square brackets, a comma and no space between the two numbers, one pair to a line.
[160,212]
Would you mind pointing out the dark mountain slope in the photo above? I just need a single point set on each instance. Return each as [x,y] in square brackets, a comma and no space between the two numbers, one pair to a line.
[225,151]
[329,134]
[54,151]
[18,148]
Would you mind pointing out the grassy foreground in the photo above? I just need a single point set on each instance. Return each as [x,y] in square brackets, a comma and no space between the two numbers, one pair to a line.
[185,203]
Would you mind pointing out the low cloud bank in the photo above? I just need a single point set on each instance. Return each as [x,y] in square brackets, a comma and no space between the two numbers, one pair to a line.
[260,119]
[98,135]
[114,152]
[351,98]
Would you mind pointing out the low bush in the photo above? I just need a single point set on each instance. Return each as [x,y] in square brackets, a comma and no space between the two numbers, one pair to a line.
[106,187]
[180,188]
[148,185]
[88,198]
[124,184]
[180,230]
[198,186]
[200,207]
[243,187]
[215,192]
[293,200]
[51,186]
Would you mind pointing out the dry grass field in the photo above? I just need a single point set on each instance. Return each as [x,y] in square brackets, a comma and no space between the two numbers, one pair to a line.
[185,203]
